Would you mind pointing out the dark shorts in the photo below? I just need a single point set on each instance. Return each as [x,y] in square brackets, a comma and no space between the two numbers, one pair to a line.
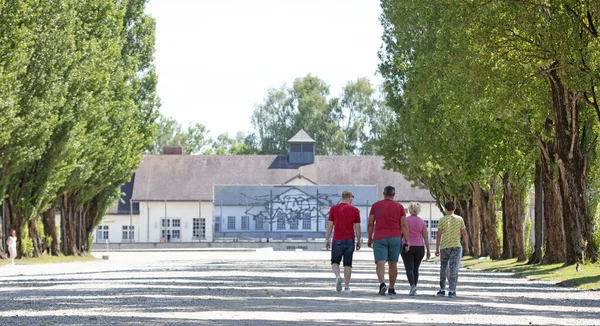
[387,249]
[342,249]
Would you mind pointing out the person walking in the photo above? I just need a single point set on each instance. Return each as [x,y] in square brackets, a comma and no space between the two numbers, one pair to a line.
[387,223]
[12,246]
[344,221]
[450,229]
[419,240]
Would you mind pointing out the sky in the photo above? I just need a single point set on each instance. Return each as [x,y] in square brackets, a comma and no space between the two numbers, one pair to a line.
[216,59]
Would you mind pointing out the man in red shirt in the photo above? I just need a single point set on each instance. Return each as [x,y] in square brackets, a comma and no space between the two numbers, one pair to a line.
[388,219]
[344,220]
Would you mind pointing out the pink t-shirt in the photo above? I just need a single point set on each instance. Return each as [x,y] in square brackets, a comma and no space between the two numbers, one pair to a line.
[415,227]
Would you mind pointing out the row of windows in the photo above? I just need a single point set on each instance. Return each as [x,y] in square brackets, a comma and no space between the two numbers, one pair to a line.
[434,224]
[259,223]
[172,230]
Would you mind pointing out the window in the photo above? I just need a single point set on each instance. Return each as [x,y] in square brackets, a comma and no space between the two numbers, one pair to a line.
[434,235]
[434,224]
[176,234]
[259,223]
[199,228]
[295,147]
[426,223]
[102,232]
[176,223]
[168,223]
[245,222]
[280,221]
[128,232]
[306,222]
[231,222]
[307,147]
[295,221]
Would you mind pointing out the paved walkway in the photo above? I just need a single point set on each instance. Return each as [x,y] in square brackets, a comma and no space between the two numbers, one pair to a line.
[270,288]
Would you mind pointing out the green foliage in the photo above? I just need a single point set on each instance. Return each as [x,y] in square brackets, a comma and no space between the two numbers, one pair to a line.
[344,125]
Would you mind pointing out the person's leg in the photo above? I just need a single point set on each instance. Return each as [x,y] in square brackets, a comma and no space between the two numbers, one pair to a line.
[380,253]
[444,256]
[454,259]
[348,254]
[418,254]
[394,248]
[408,259]
[336,258]
[13,254]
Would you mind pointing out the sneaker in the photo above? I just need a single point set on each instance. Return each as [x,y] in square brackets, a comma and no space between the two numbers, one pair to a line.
[391,292]
[451,294]
[347,290]
[382,289]
[413,290]
[441,293]
[338,284]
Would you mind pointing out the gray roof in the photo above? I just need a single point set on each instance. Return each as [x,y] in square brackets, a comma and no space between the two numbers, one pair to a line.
[301,137]
[192,177]
[241,195]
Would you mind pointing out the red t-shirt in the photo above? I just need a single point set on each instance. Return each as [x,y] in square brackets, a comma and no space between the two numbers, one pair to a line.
[388,215]
[343,217]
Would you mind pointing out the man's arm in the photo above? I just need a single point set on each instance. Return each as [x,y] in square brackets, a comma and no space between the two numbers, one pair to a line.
[357,232]
[437,241]
[425,236]
[466,239]
[370,228]
[328,234]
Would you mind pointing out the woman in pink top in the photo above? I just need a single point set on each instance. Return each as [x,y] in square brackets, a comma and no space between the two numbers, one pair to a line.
[419,243]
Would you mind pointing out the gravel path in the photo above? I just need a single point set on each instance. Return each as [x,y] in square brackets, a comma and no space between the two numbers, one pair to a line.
[270,288]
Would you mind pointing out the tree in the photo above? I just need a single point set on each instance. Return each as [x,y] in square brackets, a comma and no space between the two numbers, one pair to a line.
[344,125]
[194,139]
[490,59]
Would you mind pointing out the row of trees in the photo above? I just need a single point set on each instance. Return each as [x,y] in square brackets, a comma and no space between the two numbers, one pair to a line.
[348,124]
[78,104]
[491,98]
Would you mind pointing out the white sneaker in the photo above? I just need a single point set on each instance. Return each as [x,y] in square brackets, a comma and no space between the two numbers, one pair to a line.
[338,284]
[413,290]
[347,290]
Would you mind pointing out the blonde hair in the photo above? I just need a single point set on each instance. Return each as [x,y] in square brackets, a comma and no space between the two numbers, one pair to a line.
[414,208]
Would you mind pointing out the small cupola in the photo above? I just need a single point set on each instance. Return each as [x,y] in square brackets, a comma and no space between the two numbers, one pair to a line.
[301,149]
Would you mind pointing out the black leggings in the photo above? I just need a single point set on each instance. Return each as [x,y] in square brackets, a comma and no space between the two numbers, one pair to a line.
[412,260]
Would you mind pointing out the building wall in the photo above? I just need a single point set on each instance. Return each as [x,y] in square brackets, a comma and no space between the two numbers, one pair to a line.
[113,226]
[148,227]
[152,213]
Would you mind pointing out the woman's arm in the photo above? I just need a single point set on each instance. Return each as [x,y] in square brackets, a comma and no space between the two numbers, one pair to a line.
[425,236]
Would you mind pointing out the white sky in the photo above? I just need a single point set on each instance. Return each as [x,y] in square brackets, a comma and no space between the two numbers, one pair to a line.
[216,58]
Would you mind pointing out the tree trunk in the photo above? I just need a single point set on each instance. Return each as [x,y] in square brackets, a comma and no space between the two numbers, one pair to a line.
[539,216]
[507,218]
[466,215]
[49,221]
[572,169]
[513,213]
[476,219]
[68,213]
[554,233]
[489,237]
[35,238]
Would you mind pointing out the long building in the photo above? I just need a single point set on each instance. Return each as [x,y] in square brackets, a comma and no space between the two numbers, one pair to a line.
[207,198]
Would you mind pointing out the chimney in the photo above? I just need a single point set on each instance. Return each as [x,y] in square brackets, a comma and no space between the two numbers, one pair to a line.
[173,150]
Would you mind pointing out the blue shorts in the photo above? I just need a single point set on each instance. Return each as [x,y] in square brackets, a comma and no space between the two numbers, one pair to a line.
[387,249]
[342,249]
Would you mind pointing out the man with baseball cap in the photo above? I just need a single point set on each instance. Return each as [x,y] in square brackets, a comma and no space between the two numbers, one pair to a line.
[344,221]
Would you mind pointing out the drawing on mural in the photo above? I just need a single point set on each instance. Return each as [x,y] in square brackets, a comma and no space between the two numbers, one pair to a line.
[290,207]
